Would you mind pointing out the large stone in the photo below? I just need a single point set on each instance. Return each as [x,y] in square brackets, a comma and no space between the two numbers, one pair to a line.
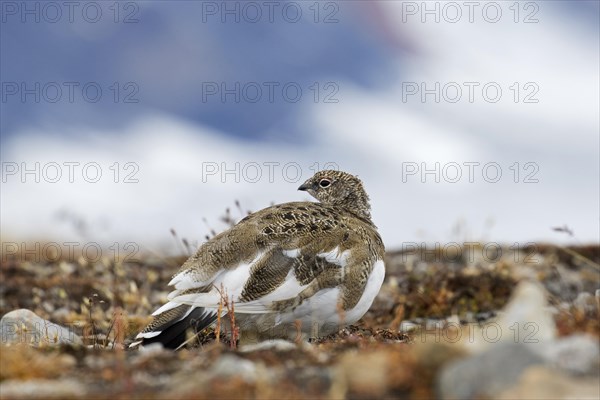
[486,374]
[525,320]
[363,374]
[24,326]
[42,389]
[521,340]
[229,365]
[272,345]
[544,383]
[235,372]
[577,354]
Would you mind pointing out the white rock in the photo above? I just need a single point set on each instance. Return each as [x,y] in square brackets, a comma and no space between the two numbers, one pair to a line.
[407,326]
[42,389]
[229,365]
[275,344]
[578,354]
[526,319]
[586,302]
[24,326]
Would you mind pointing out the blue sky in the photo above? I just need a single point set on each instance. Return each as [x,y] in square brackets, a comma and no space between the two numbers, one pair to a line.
[374,88]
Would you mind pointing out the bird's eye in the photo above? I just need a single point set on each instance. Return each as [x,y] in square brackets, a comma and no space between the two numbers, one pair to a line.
[324,183]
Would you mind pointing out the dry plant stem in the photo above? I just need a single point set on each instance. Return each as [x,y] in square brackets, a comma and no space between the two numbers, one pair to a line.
[341,312]
[219,313]
[398,318]
[119,339]
[91,300]
[183,243]
[234,328]
[119,324]
[224,302]
[239,207]
[187,246]
[569,231]
[110,328]
[580,257]
[189,340]
[298,326]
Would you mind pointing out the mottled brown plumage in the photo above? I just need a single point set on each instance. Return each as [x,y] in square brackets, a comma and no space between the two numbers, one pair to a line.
[274,262]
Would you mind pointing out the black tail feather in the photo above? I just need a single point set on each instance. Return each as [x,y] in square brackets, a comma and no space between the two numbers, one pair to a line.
[174,335]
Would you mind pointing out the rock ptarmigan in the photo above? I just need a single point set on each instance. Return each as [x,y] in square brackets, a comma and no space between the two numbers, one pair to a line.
[295,268]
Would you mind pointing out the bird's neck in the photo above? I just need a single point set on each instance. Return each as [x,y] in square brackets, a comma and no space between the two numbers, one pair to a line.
[358,204]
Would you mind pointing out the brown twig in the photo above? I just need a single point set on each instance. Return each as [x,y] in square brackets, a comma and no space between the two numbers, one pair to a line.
[235,331]
[92,325]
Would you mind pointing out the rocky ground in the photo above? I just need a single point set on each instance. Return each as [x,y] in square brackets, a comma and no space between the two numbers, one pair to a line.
[451,322]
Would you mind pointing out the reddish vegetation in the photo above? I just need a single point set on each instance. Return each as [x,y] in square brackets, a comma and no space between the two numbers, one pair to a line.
[108,302]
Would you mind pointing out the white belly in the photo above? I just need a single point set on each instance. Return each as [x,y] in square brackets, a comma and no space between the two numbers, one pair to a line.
[371,290]
[317,316]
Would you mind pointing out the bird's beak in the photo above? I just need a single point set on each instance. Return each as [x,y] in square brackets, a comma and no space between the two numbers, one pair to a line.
[305,186]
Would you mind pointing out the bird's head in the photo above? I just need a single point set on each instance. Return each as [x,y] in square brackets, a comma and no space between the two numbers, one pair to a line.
[339,188]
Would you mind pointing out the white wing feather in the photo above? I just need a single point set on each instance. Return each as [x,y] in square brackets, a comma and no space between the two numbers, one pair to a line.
[233,282]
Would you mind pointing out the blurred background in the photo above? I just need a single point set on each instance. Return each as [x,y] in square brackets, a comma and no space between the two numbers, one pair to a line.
[121,121]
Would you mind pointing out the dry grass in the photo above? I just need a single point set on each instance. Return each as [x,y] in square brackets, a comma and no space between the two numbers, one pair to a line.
[108,302]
